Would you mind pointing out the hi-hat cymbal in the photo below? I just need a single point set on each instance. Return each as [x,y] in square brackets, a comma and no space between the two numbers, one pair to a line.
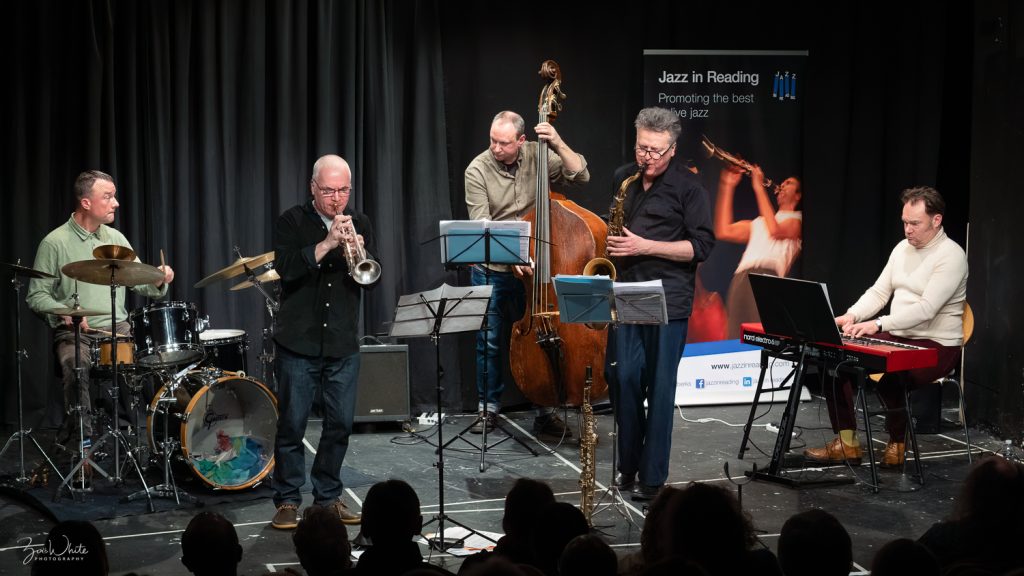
[27,272]
[113,252]
[238,267]
[271,276]
[77,312]
[124,273]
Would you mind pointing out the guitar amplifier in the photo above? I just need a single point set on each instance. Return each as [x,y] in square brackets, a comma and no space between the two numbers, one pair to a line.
[383,391]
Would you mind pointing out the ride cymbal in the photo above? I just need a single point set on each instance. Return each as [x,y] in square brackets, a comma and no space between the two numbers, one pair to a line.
[270,276]
[27,272]
[104,272]
[77,312]
[113,252]
[238,267]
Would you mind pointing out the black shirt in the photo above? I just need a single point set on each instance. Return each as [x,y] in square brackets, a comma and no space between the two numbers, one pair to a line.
[675,207]
[319,300]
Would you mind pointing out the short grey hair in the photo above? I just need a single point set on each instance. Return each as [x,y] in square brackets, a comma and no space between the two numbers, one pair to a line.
[330,161]
[658,119]
[515,119]
[86,180]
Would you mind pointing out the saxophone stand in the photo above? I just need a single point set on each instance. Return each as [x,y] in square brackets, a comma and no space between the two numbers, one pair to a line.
[444,310]
[473,246]
[19,353]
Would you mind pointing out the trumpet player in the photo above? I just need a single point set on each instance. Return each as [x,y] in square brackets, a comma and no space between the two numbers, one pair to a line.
[773,238]
[317,348]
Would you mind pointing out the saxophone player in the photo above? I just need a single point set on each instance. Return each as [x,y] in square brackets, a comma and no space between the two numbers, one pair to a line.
[666,231]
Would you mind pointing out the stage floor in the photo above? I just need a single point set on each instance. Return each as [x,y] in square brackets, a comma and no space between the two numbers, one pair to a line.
[705,440]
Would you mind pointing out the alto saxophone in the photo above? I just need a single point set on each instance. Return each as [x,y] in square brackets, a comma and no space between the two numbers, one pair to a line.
[602,265]
[588,442]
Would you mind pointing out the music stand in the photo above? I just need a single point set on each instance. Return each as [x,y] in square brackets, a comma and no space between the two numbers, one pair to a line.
[799,310]
[483,242]
[444,310]
[598,300]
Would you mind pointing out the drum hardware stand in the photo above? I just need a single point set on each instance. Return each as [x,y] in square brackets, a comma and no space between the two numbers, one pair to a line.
[168,489]
[412,316]
[22,433]
[273,306]
[84,456]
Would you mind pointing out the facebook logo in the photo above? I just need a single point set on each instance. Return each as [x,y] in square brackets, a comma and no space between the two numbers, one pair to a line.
[700,383]
[748,381]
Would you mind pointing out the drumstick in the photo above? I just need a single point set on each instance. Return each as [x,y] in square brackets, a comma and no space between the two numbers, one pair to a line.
[162,261]
[101,331]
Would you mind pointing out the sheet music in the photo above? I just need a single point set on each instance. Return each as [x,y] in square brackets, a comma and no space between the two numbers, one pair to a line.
[464,310]
[640,302]
[455,234]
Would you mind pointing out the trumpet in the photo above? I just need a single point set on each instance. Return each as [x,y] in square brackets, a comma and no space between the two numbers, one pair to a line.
[361,268]
[746,167]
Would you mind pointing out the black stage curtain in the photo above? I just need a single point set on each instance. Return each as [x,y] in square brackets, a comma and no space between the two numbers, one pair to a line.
[210,114]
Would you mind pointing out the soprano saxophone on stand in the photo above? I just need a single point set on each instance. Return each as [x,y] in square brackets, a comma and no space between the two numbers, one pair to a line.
[588,441]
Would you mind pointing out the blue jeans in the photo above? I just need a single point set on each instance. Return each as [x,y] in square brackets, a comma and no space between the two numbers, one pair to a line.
[646,359]
[508,302]
[300,378]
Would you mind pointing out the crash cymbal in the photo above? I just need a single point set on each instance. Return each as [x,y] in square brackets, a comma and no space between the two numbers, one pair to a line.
[237,268]
[20,270]
[271,276]
[125,273]
[113,252]
[77,312]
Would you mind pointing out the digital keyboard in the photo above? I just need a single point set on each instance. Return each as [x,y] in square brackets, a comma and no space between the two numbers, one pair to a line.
[872,354]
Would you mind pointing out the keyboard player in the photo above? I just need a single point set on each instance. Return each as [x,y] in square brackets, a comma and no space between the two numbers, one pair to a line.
[926,281]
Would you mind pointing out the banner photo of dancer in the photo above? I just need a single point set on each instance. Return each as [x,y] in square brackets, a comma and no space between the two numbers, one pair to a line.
[742,122]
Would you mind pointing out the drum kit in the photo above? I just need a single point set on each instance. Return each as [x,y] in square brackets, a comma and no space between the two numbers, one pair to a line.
[207,419]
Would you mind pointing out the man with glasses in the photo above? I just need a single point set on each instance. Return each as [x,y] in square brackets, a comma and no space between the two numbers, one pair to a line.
[667,231]
[317,349]
[501,184]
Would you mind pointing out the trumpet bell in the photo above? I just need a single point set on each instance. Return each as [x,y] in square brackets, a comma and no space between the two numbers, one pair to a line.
[366,272]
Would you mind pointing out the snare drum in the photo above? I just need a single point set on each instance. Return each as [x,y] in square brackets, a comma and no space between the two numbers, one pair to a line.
[225,425]
[225,349]
[166,334]
[103,357]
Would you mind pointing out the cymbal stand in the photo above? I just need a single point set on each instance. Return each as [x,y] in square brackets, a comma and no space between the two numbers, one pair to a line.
[22,433]
[266,355]
[168,489]
[84,456]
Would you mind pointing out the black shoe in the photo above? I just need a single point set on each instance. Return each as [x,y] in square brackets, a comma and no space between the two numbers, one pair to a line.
[485,418]
[625,482]
[645,493]
[551,425]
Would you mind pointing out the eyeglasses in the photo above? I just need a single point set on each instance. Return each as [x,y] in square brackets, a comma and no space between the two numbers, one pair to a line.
[652,154]
[328,192]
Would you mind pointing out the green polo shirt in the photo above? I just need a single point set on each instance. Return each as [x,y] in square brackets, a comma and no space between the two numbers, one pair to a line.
[72,243]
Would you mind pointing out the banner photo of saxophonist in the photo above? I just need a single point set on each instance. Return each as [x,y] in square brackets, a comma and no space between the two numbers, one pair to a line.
[742,120]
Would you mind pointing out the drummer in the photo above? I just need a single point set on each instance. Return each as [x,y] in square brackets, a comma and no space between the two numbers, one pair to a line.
[73,241]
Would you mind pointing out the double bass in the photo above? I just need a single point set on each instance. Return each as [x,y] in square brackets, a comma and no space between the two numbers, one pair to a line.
[549,359]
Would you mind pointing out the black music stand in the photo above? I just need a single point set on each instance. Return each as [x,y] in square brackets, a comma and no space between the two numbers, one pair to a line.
[444,310]
[800,311]
[472,242]
[597,300]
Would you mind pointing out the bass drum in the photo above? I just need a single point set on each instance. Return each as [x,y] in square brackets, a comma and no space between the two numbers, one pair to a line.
[224,423]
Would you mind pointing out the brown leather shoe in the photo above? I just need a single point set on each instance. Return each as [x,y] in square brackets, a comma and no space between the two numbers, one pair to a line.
[835,452]
[346,515]
[286,518]
[894,456]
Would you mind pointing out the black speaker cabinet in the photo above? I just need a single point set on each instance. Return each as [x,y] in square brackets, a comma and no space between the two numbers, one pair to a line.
[383,394]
